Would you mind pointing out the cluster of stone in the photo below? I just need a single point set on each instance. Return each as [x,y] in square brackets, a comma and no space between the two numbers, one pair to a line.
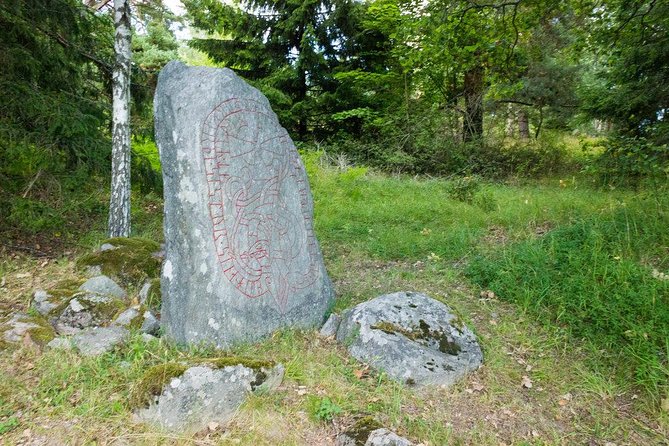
[95,315]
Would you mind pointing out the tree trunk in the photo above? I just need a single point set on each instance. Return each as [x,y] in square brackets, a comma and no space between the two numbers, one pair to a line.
[473,89]
[510,128]
[523,125]
[119,205]
[541,122]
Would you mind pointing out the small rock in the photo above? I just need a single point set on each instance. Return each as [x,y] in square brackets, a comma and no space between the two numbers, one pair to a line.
[124,319]
[331,325]
[384,437]
[150,325]
[41,302]
[93,270]
[107,247]
[60,343]
[40,295]
[86,310]
[103,285]
[148,338]
[144,292]
[76,306]
[98,340]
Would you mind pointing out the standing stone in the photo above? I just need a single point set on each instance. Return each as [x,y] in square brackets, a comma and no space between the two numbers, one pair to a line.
[241,257]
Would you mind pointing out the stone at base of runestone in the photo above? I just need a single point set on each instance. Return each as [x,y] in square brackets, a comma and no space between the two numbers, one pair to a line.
[204,395]
[98,340]
[384,437]
[415,339]
[331,325]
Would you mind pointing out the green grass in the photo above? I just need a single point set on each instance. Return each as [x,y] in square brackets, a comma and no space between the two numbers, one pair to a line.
[594,278]
[571,265]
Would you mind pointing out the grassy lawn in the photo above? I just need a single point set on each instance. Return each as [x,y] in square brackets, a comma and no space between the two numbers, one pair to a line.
[576,311]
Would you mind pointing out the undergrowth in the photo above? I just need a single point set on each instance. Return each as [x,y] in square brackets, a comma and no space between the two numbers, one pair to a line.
[594,277]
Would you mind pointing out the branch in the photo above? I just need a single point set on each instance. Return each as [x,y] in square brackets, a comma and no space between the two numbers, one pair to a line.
[96,5]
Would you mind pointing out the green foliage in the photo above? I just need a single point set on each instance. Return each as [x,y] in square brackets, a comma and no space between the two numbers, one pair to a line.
[326,409]
[588,277]
[630,161]
[52,87]
[8,425]
[315,60]
[627,82]
[464,189]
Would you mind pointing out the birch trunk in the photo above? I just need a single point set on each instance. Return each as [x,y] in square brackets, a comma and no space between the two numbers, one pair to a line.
[119,206]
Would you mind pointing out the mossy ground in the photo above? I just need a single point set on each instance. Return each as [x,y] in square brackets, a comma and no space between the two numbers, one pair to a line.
[378,235]
[132,260]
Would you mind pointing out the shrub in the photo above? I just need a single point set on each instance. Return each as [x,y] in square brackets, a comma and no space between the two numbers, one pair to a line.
[630,161]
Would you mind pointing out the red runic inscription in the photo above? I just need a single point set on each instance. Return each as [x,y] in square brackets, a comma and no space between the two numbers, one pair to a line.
[262,228]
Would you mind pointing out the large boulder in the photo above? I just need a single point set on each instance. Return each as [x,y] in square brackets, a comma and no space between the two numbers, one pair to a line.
[241,257]
[413,338]
[188,399]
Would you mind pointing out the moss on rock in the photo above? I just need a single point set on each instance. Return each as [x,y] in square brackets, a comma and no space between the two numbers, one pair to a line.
[421,333]
[156,378]
[42,335]
[361,429]
[61,294]
[153,382]
[134,243]
[39,330]
[251,363]
[154,298]
[131,261]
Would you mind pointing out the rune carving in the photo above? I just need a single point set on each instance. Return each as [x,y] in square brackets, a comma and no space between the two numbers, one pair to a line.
[262,228]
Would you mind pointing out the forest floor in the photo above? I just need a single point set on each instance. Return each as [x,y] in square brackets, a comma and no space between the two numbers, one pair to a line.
[540,384]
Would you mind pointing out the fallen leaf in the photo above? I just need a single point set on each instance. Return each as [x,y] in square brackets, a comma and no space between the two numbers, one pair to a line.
[361,373]
[22,275]
[528,368]
[44,263]
[478,387]
[3,281]
[526,382]
[213,426]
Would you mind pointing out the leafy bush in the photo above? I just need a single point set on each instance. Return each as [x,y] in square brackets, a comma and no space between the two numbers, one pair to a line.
[464,188]
[630,161]
[423,153]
